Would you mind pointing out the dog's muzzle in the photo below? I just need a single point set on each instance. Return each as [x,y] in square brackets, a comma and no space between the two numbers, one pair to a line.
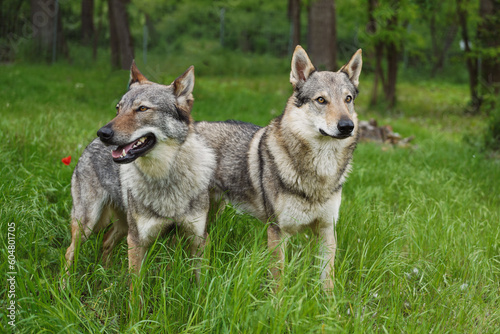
[345,128]
[105,134]
[128,152]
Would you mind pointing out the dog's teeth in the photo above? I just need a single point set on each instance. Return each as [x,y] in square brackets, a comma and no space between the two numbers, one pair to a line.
[140,141]
[124,153]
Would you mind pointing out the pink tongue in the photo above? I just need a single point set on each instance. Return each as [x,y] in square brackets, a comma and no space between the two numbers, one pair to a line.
[118,152]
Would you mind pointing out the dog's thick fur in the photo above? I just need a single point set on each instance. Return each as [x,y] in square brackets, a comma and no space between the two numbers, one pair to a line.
[290,173]
[149,168]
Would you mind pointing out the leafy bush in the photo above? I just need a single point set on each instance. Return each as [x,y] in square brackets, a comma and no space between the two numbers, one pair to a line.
[492,135]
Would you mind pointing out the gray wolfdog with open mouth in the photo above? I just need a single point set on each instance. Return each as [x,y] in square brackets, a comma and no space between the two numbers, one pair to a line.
[148,168]
[290,173]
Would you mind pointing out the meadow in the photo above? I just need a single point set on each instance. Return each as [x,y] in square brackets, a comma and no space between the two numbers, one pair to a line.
[418,234]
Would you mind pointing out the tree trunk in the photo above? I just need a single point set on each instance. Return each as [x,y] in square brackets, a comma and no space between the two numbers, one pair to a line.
[61,46]
[122,28]
[451,33]
[10,30]
[489,38]
[392,50]
[392,74]
[433,32]
[43,20]
[294,15]
[100,19]
[46,20]
[122,51]
[470,60]
[379,52]
[322,34]
[113,37]
[87,22]
[379,72]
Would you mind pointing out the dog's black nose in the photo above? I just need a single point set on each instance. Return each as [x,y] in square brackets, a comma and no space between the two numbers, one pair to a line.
[345,126]
[105,134]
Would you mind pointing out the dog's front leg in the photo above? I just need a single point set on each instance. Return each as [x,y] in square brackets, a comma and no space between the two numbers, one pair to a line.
[196,227]
[329,246]
[136,250]
[115,234]
[137,245]
[197,248]
[276,244]
[136,254]
[217,206]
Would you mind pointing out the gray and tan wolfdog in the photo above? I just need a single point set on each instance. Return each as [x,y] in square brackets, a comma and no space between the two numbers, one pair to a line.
[290,173]
[148,168]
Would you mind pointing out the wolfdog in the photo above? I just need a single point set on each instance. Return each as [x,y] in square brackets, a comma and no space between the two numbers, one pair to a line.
[148,168]
[290,173]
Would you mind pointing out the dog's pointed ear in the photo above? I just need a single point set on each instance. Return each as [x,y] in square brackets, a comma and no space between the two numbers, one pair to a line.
[302,66]
[183,89]
[184,84]
[135,75]
[353,68]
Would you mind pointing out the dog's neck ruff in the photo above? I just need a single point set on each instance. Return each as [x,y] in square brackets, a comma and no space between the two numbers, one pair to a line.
[310,164]
[158,162]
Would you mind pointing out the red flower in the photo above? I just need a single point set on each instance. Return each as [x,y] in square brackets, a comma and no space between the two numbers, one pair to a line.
[66,160]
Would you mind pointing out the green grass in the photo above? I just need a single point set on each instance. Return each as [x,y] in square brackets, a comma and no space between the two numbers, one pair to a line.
[418,233]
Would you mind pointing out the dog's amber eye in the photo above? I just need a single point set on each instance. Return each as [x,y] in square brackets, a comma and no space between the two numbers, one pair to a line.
[321,100]
[142,108]
[348,99]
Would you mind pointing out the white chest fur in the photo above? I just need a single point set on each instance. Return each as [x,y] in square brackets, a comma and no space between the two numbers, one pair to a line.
[295,214]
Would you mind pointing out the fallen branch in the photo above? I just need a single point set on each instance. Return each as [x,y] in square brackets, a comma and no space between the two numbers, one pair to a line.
[371,132]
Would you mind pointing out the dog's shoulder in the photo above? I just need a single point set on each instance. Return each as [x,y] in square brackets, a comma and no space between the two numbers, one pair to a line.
[229,124]
[227,133]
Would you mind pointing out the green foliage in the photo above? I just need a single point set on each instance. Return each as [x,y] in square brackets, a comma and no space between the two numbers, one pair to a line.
[387,31]
[492,133]
[251,26]
[15,28]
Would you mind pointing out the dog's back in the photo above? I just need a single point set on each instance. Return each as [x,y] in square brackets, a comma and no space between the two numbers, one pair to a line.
[231,141]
